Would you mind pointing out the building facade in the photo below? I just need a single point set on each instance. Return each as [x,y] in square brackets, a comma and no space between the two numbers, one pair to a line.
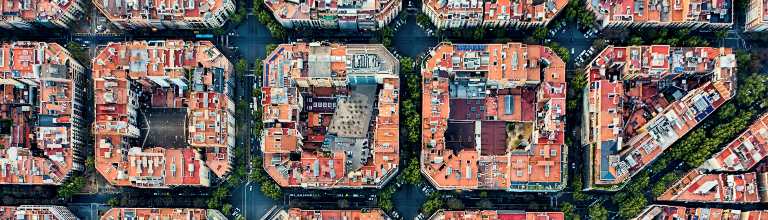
[331,115]
[639,100]
[455,14]
[363,15]
[41,108]
[164,116]
[493,118]
[756,16]
[177,14]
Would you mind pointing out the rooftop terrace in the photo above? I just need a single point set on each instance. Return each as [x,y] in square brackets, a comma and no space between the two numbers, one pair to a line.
[299,214]
[660,212]
[37,120]
[35,10]
[496,215]
[36,212]
[497,12]
[161,107]
[641,99]
[332,10]
[162,213]
[664,12]
[143,11]
[493,117]
[330,115]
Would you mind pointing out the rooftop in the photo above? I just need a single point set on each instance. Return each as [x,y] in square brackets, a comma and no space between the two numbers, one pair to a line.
[661,212]
[728,176]
[331,10]
[161,107]
[496,214]
[159,10]
[330,115]
[494,117]
[299,214]
[36,113]
[162,213]
[36,10]
[495,11]
[641,99]
[655,11]
[35,212]
[744,152]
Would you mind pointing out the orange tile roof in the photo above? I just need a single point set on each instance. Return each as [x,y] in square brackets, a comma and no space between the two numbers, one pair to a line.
[715,188]
[493,13]
[676,12]
[150,11]
[493,117]
[745,151]
[626,139]
[33,212]
[377,11]
[38,11]
[46,121]
[188,76]
[310,140]
[162,213]
[662,212]
[299,214]
[496,215]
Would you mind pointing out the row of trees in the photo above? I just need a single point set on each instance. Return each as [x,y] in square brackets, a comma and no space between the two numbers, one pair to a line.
[680,37]
[265,17]
[699,145]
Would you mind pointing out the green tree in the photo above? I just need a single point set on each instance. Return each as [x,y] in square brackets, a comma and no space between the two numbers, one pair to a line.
[113,202]
[569,210]
[412,172]
[433,204]
[226,209]
[71,187]
[455,204]
[78,53]
[272,190]
[636,41]
[540,33]
[598,212]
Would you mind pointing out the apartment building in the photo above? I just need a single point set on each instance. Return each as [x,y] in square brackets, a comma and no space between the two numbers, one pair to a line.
[728,176]
[331,115]
[663,212]
[454,14]
[496,214]
[26,14]
[364,15]
[162,213]
[35,212]
[493,117]
[164,116]
[299,214]
[42,131]
[692,14]
[641,99]
[166,14]
[756,16]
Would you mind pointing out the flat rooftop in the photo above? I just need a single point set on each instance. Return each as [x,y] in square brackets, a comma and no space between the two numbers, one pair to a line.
[159,10]
[162,213]
[642,99]
[681,11]
[662,212]
[37,119]
[36,10]
[494,117]
[48,212]
[332,10]
[161,107]
[497,11]
[330,115]
[294,213]
[496,214]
